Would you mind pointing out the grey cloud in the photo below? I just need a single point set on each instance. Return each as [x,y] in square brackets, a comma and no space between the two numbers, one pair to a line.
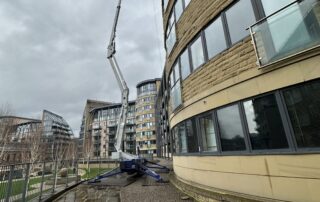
[53,53]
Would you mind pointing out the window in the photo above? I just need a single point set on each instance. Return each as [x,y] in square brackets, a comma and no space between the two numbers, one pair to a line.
[271,6]
[232,136]
[182,138]
[186,3]
[178,8]
[197,53]
[175,87]
[192,139]
[303,104]
[239,18]
[165,4]
[185,65]
[208,134]
[171,34]
[215,38]
[264,123]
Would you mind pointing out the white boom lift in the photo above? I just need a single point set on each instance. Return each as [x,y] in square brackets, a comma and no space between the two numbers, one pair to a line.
[124,92]
[128,163]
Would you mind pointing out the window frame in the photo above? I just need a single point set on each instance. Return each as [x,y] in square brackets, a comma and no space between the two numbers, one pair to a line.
[289,122]
[247,146]
[188,52]
[197,36]
[172,14]
[171,86]
[283,120]
[225,37]
[254,5]
[210,114]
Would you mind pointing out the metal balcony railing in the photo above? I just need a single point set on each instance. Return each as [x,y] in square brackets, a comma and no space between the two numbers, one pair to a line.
[293,30]
[37,181]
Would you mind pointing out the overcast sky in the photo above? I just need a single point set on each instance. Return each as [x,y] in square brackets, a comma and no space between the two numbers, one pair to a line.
[53,53]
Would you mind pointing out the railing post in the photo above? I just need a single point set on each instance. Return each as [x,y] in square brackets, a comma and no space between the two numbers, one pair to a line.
[67,181]
[99,164]
[77,170]
[26,183]
[42,179]
[9,183]
[55,176]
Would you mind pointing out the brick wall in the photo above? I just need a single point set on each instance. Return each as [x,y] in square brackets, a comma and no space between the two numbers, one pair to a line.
[235,60]
[230,63]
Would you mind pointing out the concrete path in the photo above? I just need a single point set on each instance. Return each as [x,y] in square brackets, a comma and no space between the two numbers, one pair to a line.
[143,189]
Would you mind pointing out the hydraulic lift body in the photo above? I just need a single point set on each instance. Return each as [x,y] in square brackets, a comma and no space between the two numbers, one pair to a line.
[128,163]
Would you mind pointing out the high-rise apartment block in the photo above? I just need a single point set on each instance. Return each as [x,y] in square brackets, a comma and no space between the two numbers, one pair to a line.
[145,117]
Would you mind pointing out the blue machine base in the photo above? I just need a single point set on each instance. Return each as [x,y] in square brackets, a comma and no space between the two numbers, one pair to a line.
[140,166]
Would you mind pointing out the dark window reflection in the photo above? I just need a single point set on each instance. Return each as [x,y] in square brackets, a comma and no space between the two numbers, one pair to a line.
[264,122]
[192,139]
[232,137]
[303,105]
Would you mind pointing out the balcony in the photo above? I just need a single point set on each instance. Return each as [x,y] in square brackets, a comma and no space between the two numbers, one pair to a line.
[130,130]
[148,147]
[146,137]
[288,34]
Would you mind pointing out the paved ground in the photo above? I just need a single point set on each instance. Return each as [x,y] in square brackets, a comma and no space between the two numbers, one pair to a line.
[142,189]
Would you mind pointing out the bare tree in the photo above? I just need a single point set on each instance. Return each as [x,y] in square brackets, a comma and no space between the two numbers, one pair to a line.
[72,150]
[88,149]
[32,142]
[6,130]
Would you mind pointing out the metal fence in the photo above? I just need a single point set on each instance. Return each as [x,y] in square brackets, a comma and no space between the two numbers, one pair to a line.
[37,181]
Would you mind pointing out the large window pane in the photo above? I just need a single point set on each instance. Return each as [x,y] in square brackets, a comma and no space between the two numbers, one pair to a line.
[171,40]
[171,34]
[215,38]
[186,3]
[182,138]
[176,96]
[232,137]
[239,18]
[192,138]
[271,6]
[303,105]
[208,134]
[197,53]
[178,9]
[176,142]
[176,72]
[165,4]
[185,65]
[264,122]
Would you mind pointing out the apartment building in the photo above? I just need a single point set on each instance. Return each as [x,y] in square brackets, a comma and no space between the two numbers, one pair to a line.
[101,124]
[146,138]
[241,87]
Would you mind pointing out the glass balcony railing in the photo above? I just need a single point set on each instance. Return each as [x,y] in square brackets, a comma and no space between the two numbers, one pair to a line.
[292,30]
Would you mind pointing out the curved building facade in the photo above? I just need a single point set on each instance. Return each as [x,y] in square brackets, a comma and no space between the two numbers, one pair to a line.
[244,109]
[146,138]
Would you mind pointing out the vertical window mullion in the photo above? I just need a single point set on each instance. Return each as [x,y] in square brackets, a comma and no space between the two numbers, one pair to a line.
[226,29]
[204,46]
[216,127]
[257,9]
[286,121]
[199,136]
[245,127]
[190,59]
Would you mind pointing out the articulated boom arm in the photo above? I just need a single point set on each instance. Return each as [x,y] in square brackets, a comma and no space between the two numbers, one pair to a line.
[121,82]
[129,163]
